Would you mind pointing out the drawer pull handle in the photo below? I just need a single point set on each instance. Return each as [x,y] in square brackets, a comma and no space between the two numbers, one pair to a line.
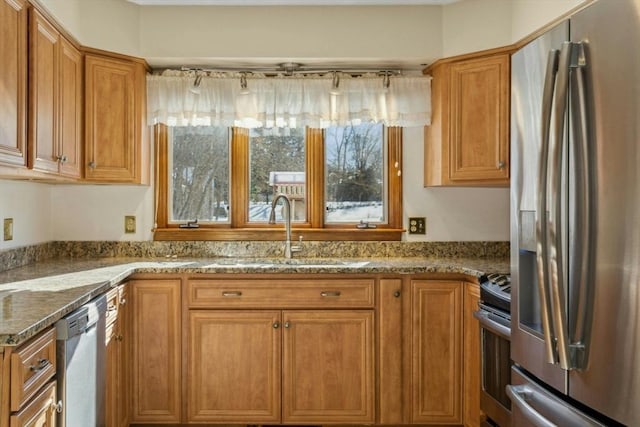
[326,294]
[231,293]
[42,363]
[112,308]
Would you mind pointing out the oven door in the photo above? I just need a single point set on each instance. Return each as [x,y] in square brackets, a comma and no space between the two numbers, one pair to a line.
[495,334]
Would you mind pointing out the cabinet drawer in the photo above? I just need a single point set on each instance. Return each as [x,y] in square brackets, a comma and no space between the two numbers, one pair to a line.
[281,293]
[32,365]
[41,411]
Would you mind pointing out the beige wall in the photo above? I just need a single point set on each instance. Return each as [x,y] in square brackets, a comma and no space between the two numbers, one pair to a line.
[29,204]
[473,25]
[529,15]
[404,33]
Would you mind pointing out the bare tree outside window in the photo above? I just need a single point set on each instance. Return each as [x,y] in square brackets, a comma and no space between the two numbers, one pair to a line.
[355,181]
[199,157]
[277,165]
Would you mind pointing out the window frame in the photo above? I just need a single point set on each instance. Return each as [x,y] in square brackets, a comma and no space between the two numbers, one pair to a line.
[239,227]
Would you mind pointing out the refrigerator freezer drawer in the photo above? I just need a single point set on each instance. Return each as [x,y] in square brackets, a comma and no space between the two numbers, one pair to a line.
[534,406]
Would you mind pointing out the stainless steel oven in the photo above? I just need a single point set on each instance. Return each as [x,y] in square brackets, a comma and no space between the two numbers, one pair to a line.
[495,333]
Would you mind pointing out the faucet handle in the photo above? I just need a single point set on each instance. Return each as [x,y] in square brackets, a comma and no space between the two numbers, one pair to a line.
[298,247]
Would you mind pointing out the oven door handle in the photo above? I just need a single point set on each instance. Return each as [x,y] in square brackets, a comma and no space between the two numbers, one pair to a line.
[491,325]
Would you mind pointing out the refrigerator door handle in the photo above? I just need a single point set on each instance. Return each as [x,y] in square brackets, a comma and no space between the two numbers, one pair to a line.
[581,276]
[555,228]
[541,207]
[519,395]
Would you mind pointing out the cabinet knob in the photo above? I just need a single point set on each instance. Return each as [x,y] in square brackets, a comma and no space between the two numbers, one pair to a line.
[396,294]
[276,325]
[57,406]
[92,165]
[118,337]
[287,325]
[501,164]
[62,158]
[123,301]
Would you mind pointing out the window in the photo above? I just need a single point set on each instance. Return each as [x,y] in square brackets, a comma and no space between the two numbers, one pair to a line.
[343,182]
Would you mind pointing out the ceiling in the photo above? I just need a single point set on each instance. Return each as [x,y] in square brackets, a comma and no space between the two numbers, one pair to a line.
[289,2]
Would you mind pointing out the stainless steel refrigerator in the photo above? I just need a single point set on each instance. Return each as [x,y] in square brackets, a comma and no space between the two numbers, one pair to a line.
[575,221]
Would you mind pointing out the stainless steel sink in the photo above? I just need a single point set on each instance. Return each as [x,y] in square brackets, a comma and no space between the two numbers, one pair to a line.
[294,262]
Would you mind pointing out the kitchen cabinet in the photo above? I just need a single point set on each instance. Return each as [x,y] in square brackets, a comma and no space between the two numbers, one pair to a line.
[471,365]
[156,350]
[436,351]
[28,393]
[13,80]
[116,145]
[467,143]
[393,375]
[118,340]
[55,94]
[308,342]
[40,412]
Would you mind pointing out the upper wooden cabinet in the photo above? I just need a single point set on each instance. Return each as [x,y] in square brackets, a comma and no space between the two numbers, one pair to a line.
[467,143]
[55,95]
[13,81]
[116,146]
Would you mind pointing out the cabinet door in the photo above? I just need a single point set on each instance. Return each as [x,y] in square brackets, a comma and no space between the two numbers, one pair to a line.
[70,117]
[392,385]
[479,119]
[40,412]
[328,367]
[155,318]
[44,45]
[117,378]
[113,119]
[13,80]
[471,368]
[234,366]
[437,353]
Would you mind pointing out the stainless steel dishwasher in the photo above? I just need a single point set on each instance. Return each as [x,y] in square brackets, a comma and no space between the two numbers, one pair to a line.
[81,365]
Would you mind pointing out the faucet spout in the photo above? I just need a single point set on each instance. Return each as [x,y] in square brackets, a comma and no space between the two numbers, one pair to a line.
[288,249]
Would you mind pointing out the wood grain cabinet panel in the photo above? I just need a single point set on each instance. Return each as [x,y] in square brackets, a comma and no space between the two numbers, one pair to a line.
[13,80]
[467,143]
[40,412]
[115,136]
[118,344]
[234,366]
[156,353]
[328,367]
[55,96]
[471,367]
[437,352]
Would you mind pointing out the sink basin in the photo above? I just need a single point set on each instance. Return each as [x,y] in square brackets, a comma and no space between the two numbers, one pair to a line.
[295,262]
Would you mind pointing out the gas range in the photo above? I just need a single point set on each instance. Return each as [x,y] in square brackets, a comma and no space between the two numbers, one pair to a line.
[495,291]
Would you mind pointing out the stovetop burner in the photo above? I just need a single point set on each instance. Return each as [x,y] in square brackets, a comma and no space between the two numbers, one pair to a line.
[495,291]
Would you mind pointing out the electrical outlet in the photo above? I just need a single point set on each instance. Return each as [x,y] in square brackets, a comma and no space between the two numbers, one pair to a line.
[418,225]
[8,229]
[130,224]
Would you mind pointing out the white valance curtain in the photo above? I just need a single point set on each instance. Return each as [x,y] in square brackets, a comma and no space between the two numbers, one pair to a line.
[287,101]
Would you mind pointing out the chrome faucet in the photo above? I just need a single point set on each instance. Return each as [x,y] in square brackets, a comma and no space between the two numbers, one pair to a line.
[288,248]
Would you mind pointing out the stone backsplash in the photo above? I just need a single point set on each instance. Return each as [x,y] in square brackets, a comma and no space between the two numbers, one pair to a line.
[18,257]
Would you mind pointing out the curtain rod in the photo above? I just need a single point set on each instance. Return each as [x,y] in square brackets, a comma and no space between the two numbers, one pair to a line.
[291,68]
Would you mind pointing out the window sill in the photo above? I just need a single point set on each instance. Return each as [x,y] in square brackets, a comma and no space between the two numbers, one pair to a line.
[326,234]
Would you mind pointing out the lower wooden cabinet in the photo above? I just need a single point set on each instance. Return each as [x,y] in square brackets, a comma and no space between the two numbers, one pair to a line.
[118,343]
[436,352]
[236,365]
[156,351]
[40,412]
[471,365]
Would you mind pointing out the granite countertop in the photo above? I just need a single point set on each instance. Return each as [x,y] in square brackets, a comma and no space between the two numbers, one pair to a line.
[35,296]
